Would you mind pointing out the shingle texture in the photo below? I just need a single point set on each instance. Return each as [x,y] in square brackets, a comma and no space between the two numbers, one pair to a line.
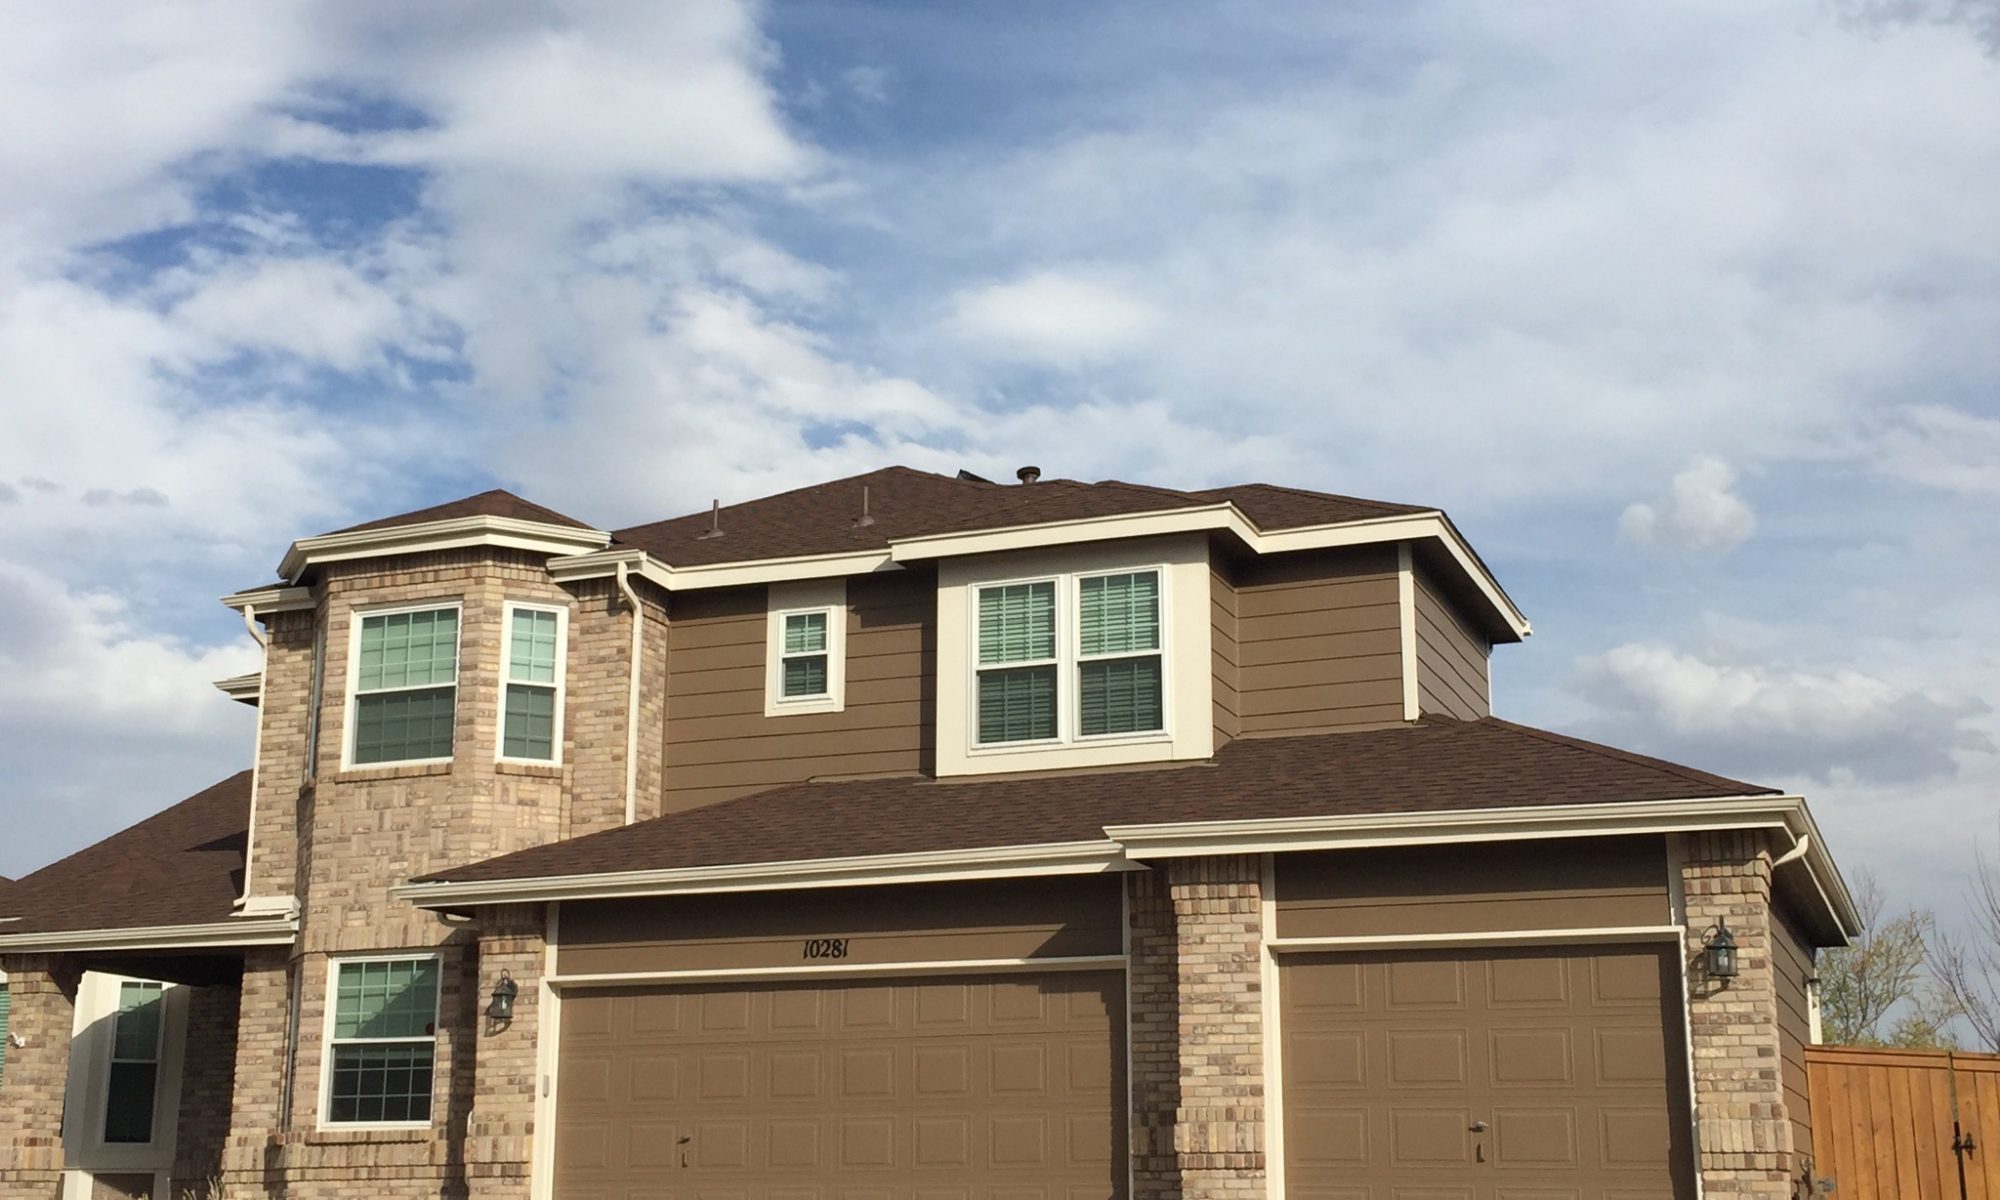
[496,503]
[183,866]
[1430,766]
[904,503]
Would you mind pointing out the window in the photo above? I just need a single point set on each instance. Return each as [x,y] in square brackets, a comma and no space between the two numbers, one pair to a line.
[381,1042]
[805,644]
[531,725]
[405,685]
[135,1063]
[1043,674]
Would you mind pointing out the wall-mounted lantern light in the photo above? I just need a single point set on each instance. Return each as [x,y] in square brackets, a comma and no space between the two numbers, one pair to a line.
[1722,952]
[502,1008]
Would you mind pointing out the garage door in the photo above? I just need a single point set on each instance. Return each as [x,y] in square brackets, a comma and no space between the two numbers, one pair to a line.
[1490,1075]
[940,1089]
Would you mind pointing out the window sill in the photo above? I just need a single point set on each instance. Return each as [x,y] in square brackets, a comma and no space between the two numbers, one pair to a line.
[1052,746]
[348,1135]
[393,771]
[532,770]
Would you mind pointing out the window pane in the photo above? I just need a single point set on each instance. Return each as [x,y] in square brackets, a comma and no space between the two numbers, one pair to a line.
[1119,695]
[805,676]
[1017,705]
[381,1082]
[398,726]
[530,728]
[408,649]
[128,1102]
[386,999]
[805,633]
[1117,614]
[136,1032]
[531,647]
[1017,622]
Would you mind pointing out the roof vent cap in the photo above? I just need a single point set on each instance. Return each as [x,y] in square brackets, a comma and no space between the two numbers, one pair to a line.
[1028,474]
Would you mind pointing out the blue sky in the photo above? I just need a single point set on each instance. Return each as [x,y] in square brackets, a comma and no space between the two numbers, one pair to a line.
[1687,314]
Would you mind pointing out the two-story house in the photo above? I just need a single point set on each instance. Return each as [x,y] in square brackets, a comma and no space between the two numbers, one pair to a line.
[915,837]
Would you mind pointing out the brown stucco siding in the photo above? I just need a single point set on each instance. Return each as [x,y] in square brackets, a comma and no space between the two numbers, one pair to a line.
[1223,654]
[721,745]
[1498,887]
[943,922]
[1318,641]
[1452,658]
[1792,963]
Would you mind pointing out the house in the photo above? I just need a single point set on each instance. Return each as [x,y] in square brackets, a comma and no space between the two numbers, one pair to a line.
[910,836]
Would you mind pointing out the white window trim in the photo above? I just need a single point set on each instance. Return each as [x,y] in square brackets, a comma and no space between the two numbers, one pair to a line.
[352,727]
[326,1041]
[561,684]
[1186,647]
[827,596]
[85,1152]
[1068,663]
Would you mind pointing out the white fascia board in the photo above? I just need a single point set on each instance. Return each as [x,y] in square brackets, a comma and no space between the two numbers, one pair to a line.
[1009,862]
[718,575]
[244,689]
[456,533]
[1221,516]
[237,932]
[273,599]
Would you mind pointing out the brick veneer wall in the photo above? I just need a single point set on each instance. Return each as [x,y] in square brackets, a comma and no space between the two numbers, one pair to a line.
[1743,1128]
[499,1143]
[208,1076]
[1196,928]
[43,991]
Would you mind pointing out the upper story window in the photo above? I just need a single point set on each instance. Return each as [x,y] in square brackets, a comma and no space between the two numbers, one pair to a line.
[531,718]
[404,686]
[1070,657]
[806,647]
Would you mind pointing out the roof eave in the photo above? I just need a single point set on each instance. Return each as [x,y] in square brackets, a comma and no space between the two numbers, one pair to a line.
[450,534]
[241,931]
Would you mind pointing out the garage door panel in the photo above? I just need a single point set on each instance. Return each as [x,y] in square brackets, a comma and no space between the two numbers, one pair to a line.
[958,1087]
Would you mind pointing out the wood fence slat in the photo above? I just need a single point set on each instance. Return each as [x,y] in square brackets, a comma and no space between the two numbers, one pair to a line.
[1882,1122]
[1902,1124]
[1924,1118]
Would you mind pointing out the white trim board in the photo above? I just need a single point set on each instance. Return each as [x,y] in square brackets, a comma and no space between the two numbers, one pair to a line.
[962,966]
[426,537]
[241,931]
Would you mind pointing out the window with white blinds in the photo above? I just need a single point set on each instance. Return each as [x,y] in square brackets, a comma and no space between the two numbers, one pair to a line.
[1070,658]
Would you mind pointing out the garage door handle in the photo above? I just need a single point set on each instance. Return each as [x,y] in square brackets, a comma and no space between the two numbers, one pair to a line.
[1477,1127]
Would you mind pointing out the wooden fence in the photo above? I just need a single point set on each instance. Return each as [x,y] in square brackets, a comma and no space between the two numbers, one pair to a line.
[1882,1122]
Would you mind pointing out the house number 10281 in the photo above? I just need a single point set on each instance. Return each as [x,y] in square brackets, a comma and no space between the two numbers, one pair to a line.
[826,948]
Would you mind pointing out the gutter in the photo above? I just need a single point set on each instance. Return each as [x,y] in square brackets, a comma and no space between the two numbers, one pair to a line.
[238,931]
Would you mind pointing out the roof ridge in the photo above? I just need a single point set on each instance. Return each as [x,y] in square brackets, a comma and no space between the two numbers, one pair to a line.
[1691,774]
[1319,495]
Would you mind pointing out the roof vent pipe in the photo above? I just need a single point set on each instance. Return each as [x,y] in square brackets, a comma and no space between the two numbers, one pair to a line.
[867,518]
[714,521]
[1028,474]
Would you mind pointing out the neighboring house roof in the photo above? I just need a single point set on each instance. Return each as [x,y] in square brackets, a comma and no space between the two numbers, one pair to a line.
[183,866]
[1434,765]
[496,503]
[905,503]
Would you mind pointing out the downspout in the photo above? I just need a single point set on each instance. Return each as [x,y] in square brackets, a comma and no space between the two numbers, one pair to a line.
[263,641]
[1797,852]
[632,700]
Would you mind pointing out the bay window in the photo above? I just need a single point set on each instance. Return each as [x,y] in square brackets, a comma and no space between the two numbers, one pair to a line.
[404,686]
[531,717]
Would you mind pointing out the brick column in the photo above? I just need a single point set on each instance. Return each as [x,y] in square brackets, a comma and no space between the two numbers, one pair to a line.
[1153,1028]
[1219,1128]
[43,993]
[500,1135]
[249,1155]
[1742,1126]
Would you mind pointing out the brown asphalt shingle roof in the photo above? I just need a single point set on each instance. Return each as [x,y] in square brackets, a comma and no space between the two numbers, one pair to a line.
[183,866]
[496,503]
[1433,765]
[825,518]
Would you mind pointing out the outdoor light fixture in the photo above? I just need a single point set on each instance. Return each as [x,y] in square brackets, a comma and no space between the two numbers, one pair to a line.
[502,1008]
[1722,952]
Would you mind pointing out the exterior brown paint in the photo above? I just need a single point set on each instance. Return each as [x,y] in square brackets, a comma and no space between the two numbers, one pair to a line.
[721,745]
[1223,653]
[1485,1075]
[1452,658]
[1792,965]
[1318,643]
[1585,883]
[1064,917]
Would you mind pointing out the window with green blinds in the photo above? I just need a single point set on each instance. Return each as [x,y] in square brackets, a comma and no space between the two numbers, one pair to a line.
[1017,673]
[803,671]
[534,666]
[384,1045]
[1118,661]
[405,686]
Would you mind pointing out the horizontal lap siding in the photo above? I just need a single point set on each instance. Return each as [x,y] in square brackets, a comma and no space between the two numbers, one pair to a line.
[1317,643]
[1223,656]
[721,745]
[1792,960]
[1452,659]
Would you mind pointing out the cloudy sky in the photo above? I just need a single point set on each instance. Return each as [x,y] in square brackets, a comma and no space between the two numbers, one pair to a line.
[1686,312]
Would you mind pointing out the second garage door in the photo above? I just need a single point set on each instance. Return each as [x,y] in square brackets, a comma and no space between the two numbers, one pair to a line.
[946,1089]
[1485,1075]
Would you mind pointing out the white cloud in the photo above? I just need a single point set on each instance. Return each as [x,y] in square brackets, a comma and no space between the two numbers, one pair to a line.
[1699,512]
[1054,317]
[315,309]
[1943,448]
[1780,721]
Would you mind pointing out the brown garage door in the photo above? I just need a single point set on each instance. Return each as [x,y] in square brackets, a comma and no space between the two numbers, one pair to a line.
[940,1089]
[1571,1057]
